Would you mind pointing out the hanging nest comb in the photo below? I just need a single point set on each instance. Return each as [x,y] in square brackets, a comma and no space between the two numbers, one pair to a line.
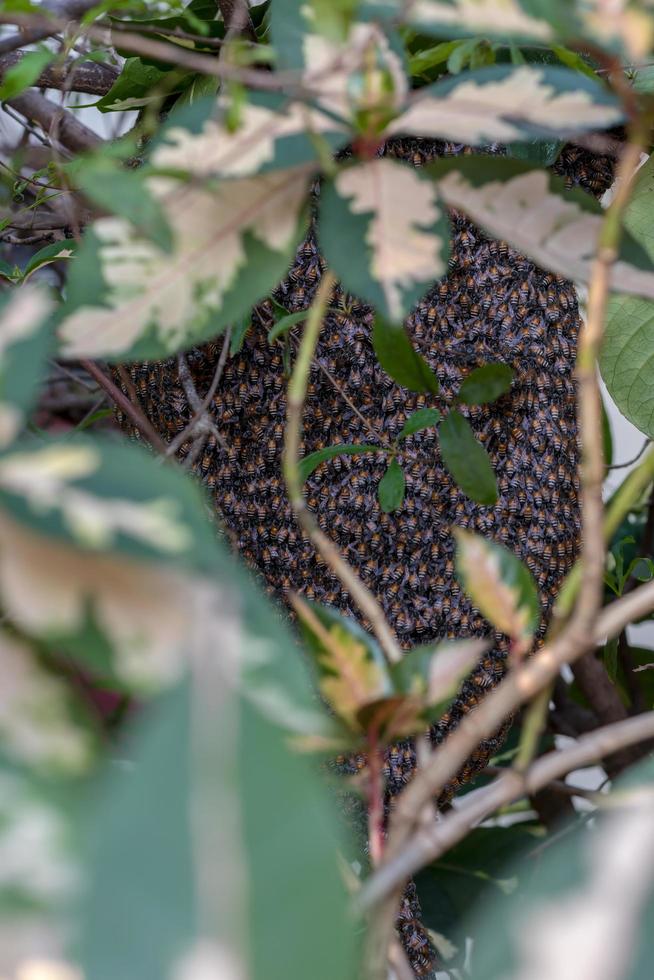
[494,305]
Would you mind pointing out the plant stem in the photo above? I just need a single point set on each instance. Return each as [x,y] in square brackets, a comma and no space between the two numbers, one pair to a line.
[326,548]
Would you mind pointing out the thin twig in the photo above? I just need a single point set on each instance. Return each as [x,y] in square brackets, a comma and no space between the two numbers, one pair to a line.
[140,421]
[200,407]
[325,547]
[630,462]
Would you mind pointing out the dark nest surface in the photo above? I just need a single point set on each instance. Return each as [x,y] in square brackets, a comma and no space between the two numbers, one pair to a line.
[494,305]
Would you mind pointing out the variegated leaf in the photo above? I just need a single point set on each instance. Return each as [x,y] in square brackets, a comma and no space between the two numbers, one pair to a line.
[351,669]
[618,25]
[500,586]
[385,234]
[37,724]
[25,340]
[453,18]
[271,134]
[532,210]
[505,104]
[128,299]
[54,591]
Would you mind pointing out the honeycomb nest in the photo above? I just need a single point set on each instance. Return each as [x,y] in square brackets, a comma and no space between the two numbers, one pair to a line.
[494,305]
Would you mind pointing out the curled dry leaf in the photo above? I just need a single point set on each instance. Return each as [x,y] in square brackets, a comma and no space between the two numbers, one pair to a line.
[531,210]
[231,244]
[507,104]
[500,586]
[23,348]
[49,589]
[403,229]
[37,727]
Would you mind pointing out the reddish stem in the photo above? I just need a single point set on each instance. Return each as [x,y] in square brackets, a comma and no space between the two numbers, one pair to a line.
[375,798]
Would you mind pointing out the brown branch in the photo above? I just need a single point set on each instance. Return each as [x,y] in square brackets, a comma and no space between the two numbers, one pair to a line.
[236,16]
[133,411]
[71,133]
[430,843]
[76,75]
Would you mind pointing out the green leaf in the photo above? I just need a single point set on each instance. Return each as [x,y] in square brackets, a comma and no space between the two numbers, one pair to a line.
[486,384]
[501,587]
[466,459]
[128,300]
[57,252]
[137,84]
[396,355]
[384,232]
[238,334]
[627,355]
[311,462]
[490,104]
[24,73]
[423,418]
[421,62]
[532,210]
[392,485]
[126,193]
[26,341]
[285,324]
[571,59]
[190,844]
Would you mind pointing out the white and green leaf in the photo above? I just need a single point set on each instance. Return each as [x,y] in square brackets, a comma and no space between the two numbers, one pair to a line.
[272,133]
[531,209]
[456,18]
[507,104]
[128,299]
[385,233]
[26,338]
[38,725]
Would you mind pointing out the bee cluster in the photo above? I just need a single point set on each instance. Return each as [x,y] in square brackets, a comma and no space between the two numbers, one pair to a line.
[494,305]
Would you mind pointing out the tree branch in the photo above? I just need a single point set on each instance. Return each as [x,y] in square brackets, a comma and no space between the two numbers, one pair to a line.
[429,843]
[70,132]
[77,75]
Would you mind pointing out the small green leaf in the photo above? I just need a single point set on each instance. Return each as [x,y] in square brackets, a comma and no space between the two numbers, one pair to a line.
[57,252]
[467,460]
[239,331]
[396,355]
[501,587]
[311,462]
[423,418]
[137,84]
[285,324]
[24,73]
[421,62]
[392,485]
[486,384]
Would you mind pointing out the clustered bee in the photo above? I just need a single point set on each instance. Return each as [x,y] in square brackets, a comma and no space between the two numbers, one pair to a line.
[494,305]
